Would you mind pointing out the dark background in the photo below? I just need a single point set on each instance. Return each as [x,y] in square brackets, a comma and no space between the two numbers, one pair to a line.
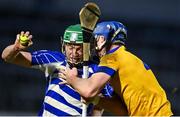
[153,35]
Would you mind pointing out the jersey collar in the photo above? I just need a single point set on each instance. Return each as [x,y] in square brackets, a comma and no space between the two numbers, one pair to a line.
[113,50]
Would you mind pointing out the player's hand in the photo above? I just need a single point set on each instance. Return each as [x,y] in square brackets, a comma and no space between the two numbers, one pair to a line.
[62,72]
[68,74]
[17,43]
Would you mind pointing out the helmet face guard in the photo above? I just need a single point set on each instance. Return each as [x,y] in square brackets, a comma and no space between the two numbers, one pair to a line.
[72,36]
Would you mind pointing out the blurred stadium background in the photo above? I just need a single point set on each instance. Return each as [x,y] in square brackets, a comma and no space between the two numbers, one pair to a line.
[153,35]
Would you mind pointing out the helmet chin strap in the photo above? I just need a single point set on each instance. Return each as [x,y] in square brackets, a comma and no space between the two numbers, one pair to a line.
[100,47]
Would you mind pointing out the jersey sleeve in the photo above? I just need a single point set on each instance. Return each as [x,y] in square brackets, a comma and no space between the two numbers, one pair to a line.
[43,58]
[108,64]
[108,90]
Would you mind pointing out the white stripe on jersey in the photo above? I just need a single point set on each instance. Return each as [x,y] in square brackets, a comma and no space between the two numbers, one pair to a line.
[73,101]
[48,114]
[46,58]
[61,106]
[36,60]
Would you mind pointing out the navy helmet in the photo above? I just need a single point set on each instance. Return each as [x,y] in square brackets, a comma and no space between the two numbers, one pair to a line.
[113,31]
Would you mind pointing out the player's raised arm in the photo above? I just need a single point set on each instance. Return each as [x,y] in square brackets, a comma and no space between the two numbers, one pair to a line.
[15,53]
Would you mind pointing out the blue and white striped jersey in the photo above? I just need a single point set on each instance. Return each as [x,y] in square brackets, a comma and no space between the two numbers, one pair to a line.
[60,99]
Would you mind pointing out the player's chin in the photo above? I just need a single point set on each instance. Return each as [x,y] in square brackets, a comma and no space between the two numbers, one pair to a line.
[77,60]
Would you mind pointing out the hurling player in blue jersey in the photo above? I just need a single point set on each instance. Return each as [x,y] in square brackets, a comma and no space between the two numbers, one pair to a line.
[60,99]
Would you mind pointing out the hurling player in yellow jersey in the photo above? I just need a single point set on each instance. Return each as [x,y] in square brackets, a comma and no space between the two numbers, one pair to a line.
[132,79]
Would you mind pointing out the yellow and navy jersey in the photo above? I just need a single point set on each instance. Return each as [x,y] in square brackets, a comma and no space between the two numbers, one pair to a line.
[134,81]
[61,99]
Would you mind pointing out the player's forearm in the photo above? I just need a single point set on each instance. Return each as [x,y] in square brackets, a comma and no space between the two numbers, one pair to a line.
[10,53]
[14,55]
[85,89]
